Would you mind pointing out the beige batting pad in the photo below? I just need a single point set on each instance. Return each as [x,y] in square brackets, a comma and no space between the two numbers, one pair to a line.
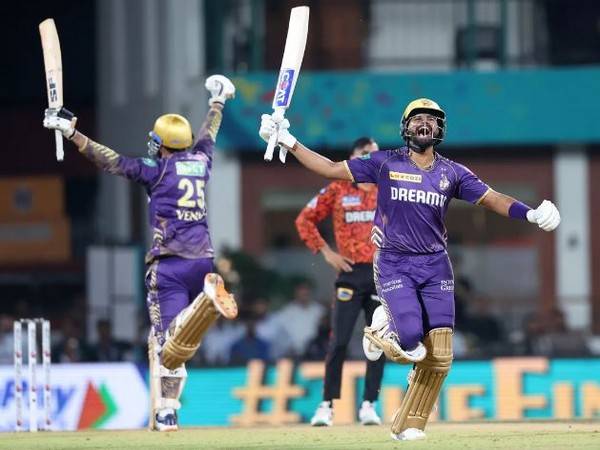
[426,382]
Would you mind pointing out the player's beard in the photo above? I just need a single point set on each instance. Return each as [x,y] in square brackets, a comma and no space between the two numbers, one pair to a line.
[422,139]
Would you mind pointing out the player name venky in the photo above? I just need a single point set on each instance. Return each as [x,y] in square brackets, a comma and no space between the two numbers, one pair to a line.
[417,196]
[189,216]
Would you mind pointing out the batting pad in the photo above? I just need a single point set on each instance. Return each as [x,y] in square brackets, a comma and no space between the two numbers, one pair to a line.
[188,328]
[426,382]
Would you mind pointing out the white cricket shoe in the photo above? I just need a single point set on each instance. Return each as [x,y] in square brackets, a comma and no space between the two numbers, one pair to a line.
[372,352]
[379,322]
[323,415]
[410,434]
[379,338]
[367,414]
[166,420]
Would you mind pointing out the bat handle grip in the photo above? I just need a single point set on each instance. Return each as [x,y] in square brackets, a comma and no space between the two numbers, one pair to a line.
[271,147]
[282,153]
[60,153]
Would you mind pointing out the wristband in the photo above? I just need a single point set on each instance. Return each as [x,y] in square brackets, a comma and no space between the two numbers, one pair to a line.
[518,210]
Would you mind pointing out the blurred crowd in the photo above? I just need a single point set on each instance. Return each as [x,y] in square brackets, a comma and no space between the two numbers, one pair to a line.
[271,326]
[299,328]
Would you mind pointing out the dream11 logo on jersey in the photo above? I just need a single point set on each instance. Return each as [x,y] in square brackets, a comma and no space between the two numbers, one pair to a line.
[284,86]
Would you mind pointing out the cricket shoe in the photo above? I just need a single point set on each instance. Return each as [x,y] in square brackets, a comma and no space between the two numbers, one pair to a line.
[410,434]
[379,323]
[379,338]
[166,420]
[367,414]
[323,415]
[223,301]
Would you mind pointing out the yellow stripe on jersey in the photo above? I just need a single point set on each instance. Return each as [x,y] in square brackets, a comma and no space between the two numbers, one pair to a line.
[348,170]
[478,202]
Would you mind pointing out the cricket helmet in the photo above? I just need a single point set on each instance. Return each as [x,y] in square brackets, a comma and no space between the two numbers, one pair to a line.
[172,131]
[427,106]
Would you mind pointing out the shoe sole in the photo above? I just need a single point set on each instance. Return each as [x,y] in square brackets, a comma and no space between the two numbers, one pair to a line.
[320,424]
[223,301]
[167,428]
[370,423]
[397,438]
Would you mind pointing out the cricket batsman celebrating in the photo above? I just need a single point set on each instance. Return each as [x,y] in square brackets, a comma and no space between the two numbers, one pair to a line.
[352,209]
[185,297]
[412,270]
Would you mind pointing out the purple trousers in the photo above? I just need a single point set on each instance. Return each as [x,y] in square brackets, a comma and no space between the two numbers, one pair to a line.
[172,284]
[417,291]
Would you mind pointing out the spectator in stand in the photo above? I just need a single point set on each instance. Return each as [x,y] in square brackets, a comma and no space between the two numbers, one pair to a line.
[71,347]
[249,346]
[107,349]
[6,339]
[301,318]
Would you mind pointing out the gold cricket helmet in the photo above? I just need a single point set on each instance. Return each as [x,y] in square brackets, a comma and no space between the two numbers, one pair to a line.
[174,131]
[427,106]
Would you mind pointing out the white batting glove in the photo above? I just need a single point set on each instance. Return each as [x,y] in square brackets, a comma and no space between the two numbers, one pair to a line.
[221,89]
[62,120]
[268,127]
[546,216]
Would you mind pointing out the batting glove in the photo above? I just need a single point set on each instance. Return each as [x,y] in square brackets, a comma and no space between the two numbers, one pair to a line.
[62,120]
[546,216]
[268,127]
[221,89]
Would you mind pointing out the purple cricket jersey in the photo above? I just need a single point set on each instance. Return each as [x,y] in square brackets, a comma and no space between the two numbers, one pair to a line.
[412,202]
[176,191]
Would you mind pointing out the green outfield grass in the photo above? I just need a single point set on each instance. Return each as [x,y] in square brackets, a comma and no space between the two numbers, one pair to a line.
[518,435]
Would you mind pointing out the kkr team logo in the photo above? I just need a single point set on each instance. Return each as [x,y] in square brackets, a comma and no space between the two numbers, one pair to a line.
[444,182]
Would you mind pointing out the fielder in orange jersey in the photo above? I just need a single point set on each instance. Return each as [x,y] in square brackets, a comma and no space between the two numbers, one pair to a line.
[352,208]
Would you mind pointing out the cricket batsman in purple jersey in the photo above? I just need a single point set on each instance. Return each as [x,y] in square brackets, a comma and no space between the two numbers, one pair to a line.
[185,297]
[412,271]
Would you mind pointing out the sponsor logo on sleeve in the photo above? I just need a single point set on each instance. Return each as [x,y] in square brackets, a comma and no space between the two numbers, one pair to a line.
[410,177]
[190,168]
[149,162]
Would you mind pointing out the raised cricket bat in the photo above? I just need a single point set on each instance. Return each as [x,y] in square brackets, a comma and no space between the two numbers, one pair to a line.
[53,66]
[288,74]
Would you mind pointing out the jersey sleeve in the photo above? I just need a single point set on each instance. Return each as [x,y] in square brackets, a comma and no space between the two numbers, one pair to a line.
[469,187]
[207,135]
[366,168]
[145,171]
[314,212]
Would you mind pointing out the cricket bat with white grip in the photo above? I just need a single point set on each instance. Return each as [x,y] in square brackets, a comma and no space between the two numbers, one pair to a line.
[293,53]
[53,67]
